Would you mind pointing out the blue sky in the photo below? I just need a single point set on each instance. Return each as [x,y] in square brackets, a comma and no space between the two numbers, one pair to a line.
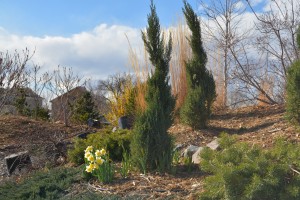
[67,17]
[87,35]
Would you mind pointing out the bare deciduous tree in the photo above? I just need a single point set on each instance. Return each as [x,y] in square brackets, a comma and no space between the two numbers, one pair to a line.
[223,27]
[63,81]
[114,85]
[278,28]
[38,83]
[12,72]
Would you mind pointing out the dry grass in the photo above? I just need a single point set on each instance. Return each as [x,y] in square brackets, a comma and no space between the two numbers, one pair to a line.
[180,54]
[141,72]
[217,69]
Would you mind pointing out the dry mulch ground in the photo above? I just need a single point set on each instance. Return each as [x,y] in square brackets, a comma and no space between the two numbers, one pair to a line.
[256,125]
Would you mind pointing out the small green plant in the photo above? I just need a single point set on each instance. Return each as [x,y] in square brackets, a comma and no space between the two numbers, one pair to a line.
[240,171]
[97,163]
[188,163]
[176,157]
[125,165]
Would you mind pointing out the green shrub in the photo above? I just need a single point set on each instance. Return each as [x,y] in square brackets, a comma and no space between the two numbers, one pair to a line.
[240,171]
[114,142]
[293,93]
[42,113]
[41,185]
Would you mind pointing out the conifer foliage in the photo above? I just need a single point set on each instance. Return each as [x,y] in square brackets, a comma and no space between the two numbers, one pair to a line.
[83,108]
[201,85]
[293,90]
[151,147]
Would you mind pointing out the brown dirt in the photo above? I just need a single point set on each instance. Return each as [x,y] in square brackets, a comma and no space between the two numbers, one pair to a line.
[256,125]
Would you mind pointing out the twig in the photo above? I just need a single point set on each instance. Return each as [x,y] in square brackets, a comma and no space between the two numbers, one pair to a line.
[97,188]
[143,176]
[294,170]
[274,130]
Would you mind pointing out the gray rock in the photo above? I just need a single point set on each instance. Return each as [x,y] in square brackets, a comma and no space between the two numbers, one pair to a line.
[178,147]
[196,156]
[190,150]
[17,160]
[214,145]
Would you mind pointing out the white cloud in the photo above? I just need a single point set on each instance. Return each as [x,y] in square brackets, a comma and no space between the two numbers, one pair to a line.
[240,5]
[256,2]
[97,53]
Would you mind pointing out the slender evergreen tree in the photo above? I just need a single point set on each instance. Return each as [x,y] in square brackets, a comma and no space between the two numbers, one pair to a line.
[151,147]
[293,89]
[201,85]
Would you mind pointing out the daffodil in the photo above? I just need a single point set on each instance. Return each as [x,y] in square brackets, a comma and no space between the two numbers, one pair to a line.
[89,168]
[89,149]
[87,154]
[99,161]
[91,158]
[95,166]
[103,152]
[98,153]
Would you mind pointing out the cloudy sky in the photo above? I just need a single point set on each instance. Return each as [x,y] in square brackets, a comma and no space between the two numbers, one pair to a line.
[87,35]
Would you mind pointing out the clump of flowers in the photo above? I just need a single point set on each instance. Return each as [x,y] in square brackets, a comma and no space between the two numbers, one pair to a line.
[98,164]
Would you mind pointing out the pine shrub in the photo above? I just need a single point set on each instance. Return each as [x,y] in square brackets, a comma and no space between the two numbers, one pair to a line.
[152,146]
[41,185]
[84,108]
[201,90]
[240,171]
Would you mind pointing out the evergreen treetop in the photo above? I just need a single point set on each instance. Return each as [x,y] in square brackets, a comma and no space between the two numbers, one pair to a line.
[196,40]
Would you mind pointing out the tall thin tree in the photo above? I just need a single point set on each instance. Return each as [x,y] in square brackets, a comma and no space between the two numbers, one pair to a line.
[152,147]
[201,85]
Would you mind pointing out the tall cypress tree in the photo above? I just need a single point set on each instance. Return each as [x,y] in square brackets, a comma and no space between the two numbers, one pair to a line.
[201,85]
[151,147]
[293,89]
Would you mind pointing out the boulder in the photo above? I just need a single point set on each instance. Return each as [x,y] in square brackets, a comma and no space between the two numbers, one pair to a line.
[214,145]
[196,156]
[190,150]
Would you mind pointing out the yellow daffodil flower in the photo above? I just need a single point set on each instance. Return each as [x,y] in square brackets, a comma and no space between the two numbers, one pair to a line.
[91,158]
[99,161]
[89,169]
[87,154]
[103,152]
[96,166]
[89,149]
[98,153]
